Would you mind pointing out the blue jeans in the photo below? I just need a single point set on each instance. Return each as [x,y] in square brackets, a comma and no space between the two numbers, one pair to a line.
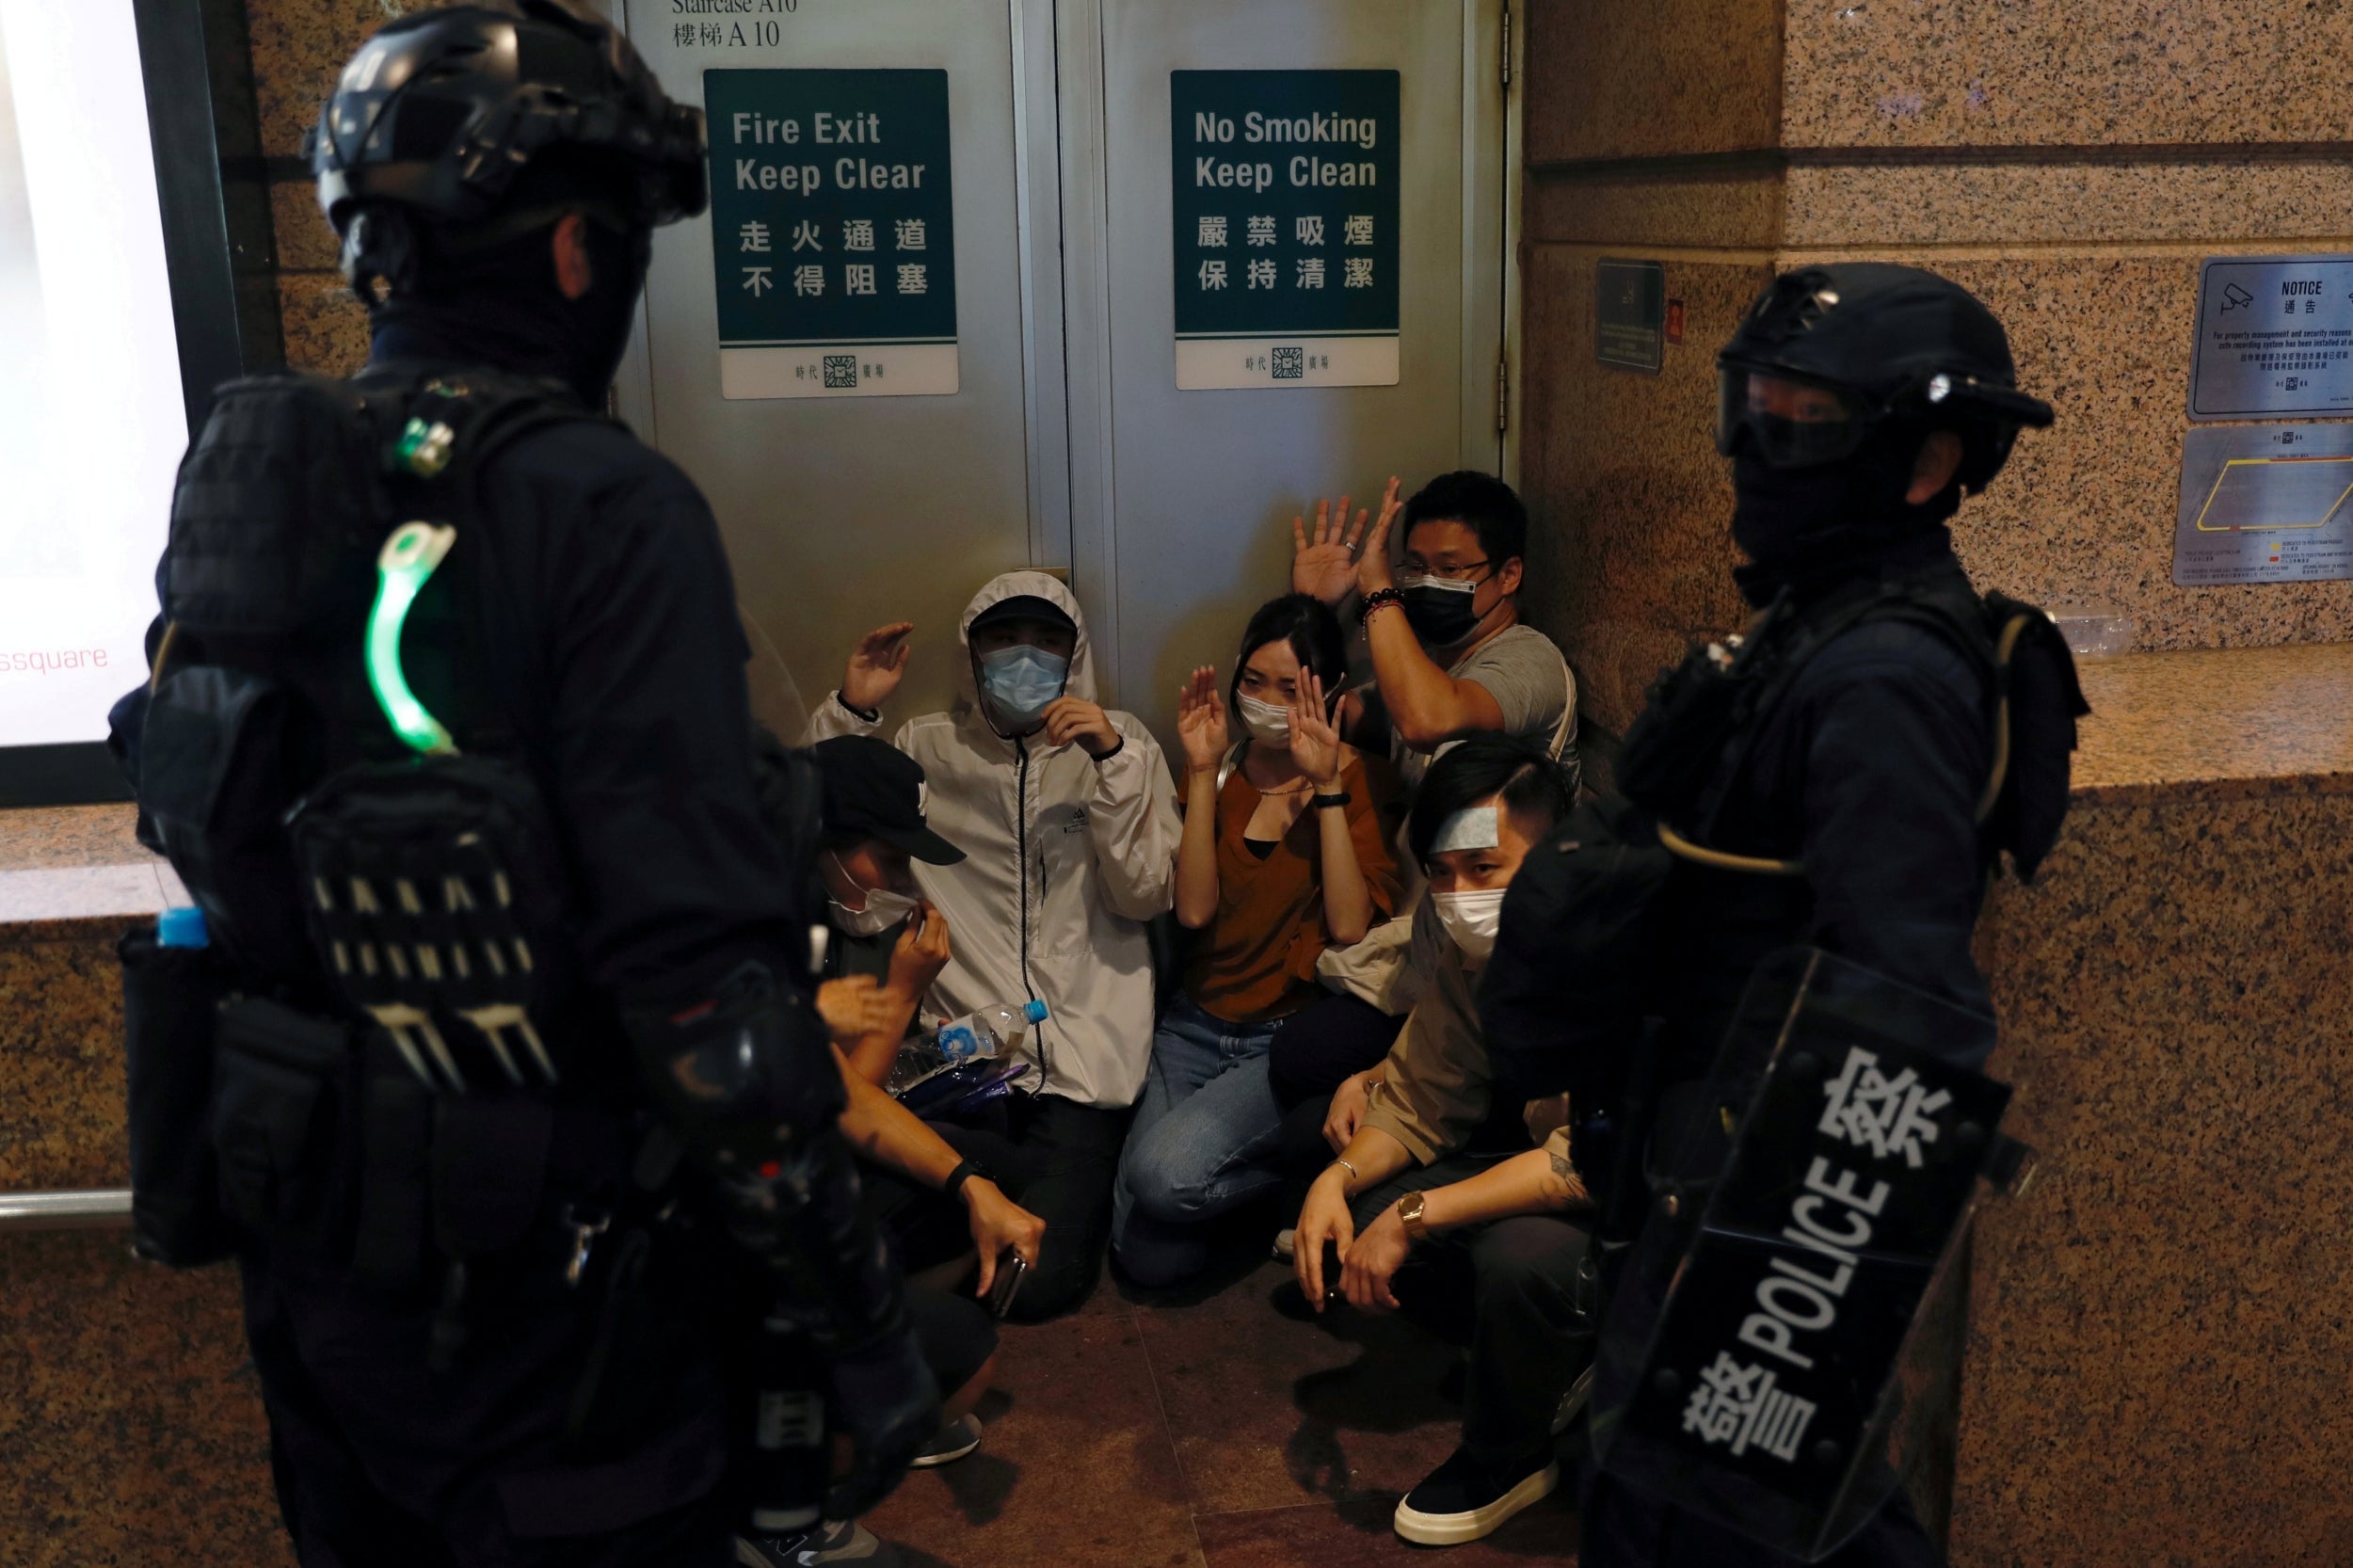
[1207,1139]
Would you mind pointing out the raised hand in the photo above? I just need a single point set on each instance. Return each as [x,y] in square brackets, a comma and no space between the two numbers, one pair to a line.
[875,666]
[1201,721]
[918,956]
[1325,565]
[1315,744]
[1071,718]
[1372,567]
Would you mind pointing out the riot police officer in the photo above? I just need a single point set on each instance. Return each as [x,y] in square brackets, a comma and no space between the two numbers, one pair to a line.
[1844,776]
[516,1059]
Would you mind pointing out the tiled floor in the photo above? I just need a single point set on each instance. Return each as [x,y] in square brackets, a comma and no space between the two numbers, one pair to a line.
[1206,1431]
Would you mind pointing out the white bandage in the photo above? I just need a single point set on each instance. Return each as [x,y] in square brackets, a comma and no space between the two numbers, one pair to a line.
[1473,828]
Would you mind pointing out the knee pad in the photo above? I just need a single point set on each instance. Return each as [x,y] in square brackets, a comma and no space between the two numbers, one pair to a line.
[741,1074]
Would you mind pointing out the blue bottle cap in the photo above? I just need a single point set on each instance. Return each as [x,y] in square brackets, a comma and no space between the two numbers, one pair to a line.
[183,927]
[1034,1012]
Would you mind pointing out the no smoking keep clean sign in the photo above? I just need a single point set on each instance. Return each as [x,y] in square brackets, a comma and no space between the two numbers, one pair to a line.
[1285,186]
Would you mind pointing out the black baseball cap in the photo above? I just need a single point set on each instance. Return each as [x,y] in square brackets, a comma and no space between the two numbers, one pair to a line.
[874,790]
[1025,607]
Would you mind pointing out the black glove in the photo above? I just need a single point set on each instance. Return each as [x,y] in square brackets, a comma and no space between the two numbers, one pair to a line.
[885,1400]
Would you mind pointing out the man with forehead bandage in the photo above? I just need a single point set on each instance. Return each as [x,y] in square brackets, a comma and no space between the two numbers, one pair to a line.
[1438,1203]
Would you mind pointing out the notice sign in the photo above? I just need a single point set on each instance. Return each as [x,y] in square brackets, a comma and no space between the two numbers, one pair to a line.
[2265,504]
[1286,200]
[1630,314]
[2275,337]
[832,232]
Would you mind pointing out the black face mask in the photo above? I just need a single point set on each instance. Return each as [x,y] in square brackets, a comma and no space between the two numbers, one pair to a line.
[1440,616]
[1833,519]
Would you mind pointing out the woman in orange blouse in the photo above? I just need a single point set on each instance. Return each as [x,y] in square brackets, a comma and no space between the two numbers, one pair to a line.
[1282,856]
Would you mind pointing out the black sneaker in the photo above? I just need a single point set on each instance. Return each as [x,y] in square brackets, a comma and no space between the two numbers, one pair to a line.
[1463,1500]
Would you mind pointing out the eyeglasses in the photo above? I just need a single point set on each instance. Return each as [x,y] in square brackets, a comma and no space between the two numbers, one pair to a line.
[1457,573]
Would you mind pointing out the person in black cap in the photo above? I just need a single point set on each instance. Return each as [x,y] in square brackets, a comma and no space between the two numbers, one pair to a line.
[939,1207]
[883,928]
[1831,780]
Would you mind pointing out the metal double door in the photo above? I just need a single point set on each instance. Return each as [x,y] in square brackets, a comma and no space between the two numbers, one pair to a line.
[875,451]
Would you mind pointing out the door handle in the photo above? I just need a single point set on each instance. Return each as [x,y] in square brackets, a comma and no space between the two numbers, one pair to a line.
[90,1209]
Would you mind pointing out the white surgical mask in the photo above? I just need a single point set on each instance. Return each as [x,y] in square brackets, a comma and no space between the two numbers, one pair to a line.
[1472,919]
[1268,723]
[1022,681]
[883,908]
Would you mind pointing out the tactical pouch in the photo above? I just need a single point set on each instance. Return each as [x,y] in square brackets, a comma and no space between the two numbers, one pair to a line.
[170,1000]
[394,1205]
[278,511]
[217,758]
[278,1092]
[433,891]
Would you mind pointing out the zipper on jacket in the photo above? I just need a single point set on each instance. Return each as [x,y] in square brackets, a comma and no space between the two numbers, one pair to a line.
[1022,851]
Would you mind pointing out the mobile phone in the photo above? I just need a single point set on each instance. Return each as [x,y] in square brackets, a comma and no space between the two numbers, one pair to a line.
[1011,1269]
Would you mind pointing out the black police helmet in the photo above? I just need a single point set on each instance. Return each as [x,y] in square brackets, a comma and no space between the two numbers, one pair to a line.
[441,114]
[1896,344]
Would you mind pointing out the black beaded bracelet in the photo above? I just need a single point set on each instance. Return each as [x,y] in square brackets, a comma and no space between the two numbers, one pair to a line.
[1376,599]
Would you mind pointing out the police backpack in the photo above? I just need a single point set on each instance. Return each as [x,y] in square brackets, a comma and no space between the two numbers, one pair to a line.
[374,894]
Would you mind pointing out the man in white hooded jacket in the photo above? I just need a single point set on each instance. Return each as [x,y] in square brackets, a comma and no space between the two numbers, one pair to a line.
[1067,815]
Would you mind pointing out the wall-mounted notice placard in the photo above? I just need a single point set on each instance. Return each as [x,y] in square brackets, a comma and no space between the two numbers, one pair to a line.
[832,232]
[2275,337]
[1285,191]
[2265,504]
[1630,314]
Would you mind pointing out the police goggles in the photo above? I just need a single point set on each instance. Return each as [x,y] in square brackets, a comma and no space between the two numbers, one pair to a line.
[1792,422]
[1796,423]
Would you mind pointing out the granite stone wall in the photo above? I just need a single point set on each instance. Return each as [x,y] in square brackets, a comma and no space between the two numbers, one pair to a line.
[298,46]
[2071,161]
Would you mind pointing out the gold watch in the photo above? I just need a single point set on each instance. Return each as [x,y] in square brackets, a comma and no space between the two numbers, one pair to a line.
[1409,1215]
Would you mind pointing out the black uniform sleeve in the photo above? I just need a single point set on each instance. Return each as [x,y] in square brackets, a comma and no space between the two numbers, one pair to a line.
[651,734]
[1896,753]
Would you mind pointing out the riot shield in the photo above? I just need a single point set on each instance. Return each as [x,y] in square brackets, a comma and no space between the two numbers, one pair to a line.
[1814,1189]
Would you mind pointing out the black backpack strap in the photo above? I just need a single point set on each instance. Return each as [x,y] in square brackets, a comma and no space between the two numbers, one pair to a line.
[1955,615]
[436,434]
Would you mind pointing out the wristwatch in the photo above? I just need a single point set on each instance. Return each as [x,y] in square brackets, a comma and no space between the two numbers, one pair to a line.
[1409,1209]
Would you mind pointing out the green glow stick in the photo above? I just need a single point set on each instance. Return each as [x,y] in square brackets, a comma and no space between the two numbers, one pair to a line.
[408,561]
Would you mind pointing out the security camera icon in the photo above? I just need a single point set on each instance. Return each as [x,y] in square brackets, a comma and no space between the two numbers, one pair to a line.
[2234,297]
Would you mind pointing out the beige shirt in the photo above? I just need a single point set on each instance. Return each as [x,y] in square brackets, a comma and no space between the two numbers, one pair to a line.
[1437,1082]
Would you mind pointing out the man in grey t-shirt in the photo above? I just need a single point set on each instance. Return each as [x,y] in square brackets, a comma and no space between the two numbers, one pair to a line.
[1449,655]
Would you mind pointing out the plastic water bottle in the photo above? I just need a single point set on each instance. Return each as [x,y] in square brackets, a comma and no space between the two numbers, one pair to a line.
[1000,1030]
[183,927]
[992,1032]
